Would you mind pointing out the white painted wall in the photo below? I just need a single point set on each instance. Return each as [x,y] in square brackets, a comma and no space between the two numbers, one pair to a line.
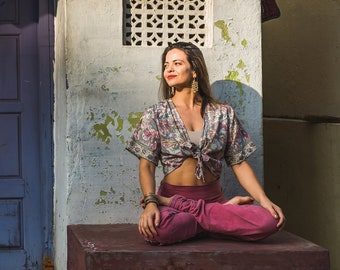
[108,85]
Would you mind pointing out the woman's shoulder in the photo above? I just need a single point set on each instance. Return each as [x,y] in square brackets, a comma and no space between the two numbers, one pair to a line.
[160,105]
[157,108]
[220,107]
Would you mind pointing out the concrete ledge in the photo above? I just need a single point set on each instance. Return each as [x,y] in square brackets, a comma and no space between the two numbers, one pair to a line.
[120,247]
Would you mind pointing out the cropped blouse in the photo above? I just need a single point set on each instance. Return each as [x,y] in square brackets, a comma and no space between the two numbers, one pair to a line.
[161,136]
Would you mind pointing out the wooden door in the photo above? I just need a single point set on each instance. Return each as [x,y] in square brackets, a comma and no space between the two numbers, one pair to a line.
[22,224]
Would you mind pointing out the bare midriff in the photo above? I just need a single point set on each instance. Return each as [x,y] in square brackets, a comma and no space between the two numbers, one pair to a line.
[185,175]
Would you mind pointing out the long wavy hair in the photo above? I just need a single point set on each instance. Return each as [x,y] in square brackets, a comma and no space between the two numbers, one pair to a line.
[197,63]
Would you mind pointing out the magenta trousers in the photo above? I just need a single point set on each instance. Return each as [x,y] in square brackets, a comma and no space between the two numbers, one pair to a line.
[199,210]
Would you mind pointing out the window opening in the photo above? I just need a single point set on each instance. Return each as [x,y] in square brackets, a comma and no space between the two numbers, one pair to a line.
[158,23]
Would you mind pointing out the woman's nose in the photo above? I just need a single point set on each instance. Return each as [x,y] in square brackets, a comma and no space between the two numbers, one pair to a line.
[170,68]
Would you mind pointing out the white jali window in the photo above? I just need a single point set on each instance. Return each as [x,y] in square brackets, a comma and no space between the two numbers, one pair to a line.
[160,22]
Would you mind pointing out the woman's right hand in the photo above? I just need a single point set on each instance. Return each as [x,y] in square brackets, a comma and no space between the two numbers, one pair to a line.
[149,220]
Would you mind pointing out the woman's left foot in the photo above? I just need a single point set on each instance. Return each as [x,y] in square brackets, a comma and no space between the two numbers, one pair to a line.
[241,200]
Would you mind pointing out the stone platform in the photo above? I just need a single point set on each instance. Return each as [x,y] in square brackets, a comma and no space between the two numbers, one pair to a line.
[120,247]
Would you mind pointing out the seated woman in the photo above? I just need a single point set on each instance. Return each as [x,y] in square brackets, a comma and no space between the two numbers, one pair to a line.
[191,134]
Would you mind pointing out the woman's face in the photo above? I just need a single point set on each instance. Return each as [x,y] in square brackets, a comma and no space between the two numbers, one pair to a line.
[177,70]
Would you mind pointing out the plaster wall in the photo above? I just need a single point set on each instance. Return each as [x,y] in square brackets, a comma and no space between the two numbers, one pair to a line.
[300,82]
[102,87]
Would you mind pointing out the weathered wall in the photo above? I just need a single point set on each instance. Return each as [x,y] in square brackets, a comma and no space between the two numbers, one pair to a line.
[108,86]
[301,82]
[61,157]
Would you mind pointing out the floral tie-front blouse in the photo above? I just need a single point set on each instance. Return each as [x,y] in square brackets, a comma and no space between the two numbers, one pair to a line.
[162,136]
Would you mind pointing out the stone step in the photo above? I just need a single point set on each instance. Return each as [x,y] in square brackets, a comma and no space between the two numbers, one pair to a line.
[120,247]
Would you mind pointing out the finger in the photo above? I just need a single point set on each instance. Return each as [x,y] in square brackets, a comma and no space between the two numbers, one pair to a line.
[140,227]
[151,228]
[157,219]
[274,212]
[282,219]
[279,216]
[282,224]
[144,227]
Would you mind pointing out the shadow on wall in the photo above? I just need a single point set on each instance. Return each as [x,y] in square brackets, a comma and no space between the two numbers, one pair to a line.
[247,104]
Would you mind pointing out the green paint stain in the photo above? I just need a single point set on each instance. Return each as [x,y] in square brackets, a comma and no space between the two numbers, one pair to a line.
[91,117]
[240,88]
[104,88]
[232,76]
[102,132]
[248,77]
[120,122]
[224,30]
[241,65]
[100,201]
[122,139]
[103,193]
[109,197]
[244,42]
[133,119]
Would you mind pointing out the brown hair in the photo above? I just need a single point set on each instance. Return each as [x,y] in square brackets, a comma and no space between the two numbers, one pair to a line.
[197,63]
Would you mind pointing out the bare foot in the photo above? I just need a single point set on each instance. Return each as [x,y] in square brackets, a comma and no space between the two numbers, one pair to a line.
[241,200]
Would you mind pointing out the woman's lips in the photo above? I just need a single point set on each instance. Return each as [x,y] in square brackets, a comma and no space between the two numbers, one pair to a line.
[170,77]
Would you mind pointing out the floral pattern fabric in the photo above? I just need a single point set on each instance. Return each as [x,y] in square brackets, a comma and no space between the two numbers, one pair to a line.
[162,137]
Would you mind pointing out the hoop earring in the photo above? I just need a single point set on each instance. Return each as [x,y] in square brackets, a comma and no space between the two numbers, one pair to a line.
[173,91]
[194,86]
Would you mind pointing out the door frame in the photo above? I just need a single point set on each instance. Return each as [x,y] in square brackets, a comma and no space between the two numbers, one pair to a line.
[45,33]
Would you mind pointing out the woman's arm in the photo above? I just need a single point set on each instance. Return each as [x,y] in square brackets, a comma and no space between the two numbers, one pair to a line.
[248,180]
[150,216]
[147,176]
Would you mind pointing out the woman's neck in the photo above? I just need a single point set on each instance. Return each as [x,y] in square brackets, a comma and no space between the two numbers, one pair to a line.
[185,99]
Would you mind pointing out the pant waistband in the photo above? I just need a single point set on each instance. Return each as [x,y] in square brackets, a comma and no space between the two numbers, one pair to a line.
[210,193]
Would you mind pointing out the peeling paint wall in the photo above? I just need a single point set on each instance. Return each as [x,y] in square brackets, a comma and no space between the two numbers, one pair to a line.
[106,88]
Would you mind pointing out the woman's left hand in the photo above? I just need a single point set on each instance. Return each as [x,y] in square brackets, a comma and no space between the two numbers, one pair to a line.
[276,212]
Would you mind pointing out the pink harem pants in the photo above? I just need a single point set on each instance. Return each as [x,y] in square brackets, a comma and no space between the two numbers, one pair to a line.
[199,210]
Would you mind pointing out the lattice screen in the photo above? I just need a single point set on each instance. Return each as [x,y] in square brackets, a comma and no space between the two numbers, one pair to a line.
[160,22]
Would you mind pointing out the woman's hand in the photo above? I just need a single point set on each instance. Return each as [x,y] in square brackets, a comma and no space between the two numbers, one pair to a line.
[275,211]
[248,180]
[149,220]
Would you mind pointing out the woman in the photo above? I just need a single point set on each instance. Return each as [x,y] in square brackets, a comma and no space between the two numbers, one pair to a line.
[191,133]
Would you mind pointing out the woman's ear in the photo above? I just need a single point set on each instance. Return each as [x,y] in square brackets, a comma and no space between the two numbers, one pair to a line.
[194,74]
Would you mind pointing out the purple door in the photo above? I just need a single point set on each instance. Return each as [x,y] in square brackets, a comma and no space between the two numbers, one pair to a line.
[22,188]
